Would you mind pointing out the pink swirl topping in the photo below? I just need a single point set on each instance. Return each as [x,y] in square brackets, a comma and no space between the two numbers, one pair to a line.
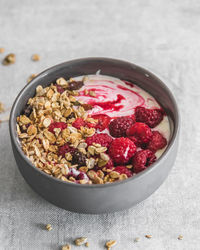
[111,98]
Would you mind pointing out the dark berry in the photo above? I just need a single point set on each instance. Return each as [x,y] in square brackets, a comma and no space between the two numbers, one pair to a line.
[118,126]
[75,85]
[78,158]
[152,117]
[143,159]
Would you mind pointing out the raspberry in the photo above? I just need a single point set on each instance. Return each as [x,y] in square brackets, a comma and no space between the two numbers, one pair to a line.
[109,165]
[78,123]
[59,89]
[141,132]
[61,125]
[123,170]
[103,139]
[103,121]
[121,150]
[152,117]
[157,142]
[118,126]
[143,159]
[64,149]
[78,158]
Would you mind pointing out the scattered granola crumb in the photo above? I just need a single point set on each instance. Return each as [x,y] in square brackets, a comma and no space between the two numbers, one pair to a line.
[31,77]
[148,236]
[111,243]
[4,119]
[9,59]
[49,227]
[35,57]
[2,50]
[66,247]
[87,244]
[180,237]
[1,108]
[80,241]
[137,239]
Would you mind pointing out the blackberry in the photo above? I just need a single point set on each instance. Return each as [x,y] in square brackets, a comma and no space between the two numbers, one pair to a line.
[75,85]
[78,158]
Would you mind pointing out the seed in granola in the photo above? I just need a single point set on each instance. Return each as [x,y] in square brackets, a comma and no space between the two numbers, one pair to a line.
[9,59]
[148,236]
[2,50]
[49,227]
[31,77]
[180,237]
[1,108]
[80,241]
[114,175]
[78,158]
[111,243]
[74,85]
[66,247]
[35,57]
[87,106]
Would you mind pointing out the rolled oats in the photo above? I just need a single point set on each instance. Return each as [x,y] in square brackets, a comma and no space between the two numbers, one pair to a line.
[49,227]
[2,50]
[35,57]
[9,59]
[111,243]
[80,241]
[66,247]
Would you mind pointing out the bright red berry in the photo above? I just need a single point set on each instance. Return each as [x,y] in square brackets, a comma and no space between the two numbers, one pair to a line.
[123,170]
[78,123]
[118,126]
[64,149]
[152,117]
[61,125]
[103,139]
[143,159]
[141,132]
[103,121]
[157,142]
[121,150]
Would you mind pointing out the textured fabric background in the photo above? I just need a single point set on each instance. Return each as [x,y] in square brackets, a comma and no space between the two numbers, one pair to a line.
[162,36]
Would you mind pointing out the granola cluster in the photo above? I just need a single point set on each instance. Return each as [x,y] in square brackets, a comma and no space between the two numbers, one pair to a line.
[53,131]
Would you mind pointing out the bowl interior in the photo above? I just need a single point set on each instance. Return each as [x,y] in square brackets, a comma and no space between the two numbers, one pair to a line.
[117,68]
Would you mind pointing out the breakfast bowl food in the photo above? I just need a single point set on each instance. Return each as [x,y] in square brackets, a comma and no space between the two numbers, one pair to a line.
[95,135]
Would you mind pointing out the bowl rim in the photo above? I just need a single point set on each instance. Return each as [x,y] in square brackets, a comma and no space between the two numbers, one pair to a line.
[12,124]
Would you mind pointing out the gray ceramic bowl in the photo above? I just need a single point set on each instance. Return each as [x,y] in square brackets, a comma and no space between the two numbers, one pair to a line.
[108,197]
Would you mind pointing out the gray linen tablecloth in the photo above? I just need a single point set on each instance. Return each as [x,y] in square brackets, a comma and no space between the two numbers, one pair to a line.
[162,36]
